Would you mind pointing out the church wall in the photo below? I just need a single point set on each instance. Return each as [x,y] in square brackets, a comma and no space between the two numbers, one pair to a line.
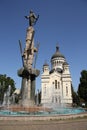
[56,84]
[49,92]
[45,89]
[67,97]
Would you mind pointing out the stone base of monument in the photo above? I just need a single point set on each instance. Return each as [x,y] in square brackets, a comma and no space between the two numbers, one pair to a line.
[27,103]
[28,86]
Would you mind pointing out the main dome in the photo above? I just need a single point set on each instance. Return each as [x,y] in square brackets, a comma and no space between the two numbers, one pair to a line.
[57,54]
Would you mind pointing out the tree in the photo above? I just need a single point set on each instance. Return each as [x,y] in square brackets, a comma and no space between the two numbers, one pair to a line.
[39,97]
[4,83]
[75,96]
[82,88]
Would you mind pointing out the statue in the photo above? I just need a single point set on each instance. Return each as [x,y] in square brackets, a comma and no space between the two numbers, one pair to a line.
[28,72]
[32,18]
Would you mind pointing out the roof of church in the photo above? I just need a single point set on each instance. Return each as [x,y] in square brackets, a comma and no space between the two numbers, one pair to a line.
[65,63]
[45,64]
[57,54]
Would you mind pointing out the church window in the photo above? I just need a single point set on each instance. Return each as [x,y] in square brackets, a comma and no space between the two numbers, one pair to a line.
[55,84]
[57,63]
[56,99]
[45,69]
[66,91]
[58,85]
[45,90]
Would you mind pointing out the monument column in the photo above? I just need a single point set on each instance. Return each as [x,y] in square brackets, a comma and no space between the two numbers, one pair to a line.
[27,72]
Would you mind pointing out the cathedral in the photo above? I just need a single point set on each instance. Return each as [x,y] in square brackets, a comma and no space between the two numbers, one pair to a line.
[56,82]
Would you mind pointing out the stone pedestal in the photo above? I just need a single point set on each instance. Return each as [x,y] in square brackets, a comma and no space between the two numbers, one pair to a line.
[28,86]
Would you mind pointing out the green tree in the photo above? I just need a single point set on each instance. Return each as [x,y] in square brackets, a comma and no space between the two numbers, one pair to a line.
[39,97]
[82,88]
[75,96]
[4,83]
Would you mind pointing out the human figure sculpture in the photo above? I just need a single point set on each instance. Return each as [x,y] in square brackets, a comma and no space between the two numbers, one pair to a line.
[32,18]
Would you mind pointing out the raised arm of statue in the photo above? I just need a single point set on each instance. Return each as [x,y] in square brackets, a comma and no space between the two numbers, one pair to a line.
[32,18]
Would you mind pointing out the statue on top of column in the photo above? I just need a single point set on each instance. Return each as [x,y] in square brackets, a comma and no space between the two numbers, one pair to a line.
[28,72]
[32,18]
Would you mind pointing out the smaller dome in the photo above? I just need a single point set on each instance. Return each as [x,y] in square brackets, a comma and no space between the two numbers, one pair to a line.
[45,64]
[57,54]
[65,63]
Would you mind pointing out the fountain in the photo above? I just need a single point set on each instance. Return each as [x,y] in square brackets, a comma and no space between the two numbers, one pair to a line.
[6,100]
[39,111]
[27,107]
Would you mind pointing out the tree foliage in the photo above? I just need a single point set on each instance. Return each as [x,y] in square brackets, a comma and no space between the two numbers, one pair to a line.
[75,96]
[82,88]
[4,83]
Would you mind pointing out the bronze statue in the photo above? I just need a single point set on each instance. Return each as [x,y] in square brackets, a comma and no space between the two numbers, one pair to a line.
[32,18]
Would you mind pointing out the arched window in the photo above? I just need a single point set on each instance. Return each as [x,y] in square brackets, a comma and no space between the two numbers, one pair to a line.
[45,89]
[66,91]
[58,85]
[55,84]
[57,63]
[56,99]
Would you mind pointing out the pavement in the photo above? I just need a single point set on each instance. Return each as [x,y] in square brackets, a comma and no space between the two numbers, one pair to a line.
[68,124]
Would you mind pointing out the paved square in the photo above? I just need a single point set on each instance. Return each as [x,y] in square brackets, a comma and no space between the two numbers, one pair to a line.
[75,124]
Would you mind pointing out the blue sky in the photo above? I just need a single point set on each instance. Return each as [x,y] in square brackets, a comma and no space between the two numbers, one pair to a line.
[61,21]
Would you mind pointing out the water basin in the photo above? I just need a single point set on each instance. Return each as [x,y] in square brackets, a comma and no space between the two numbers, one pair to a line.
[57,111]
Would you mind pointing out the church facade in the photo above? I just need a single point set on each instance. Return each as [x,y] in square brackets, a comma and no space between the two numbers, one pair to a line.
[56,83]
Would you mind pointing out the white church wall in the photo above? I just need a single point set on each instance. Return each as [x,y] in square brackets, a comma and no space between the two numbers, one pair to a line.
[56,84]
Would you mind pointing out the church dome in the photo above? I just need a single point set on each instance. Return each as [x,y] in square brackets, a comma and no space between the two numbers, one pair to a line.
[45,64]
[57,54]
[65,63]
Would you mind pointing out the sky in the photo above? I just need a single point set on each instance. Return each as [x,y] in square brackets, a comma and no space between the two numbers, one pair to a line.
[62,22]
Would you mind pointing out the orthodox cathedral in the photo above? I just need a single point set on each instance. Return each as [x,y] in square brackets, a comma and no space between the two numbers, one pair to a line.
[56,83]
